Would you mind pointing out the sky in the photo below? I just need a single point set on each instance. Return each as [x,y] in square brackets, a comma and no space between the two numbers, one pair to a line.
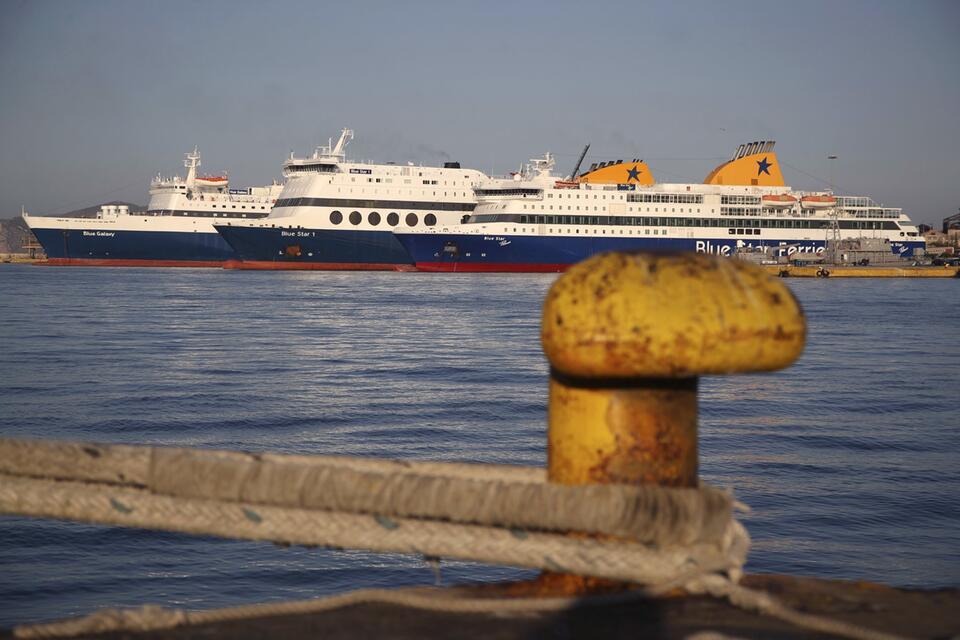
[100,95]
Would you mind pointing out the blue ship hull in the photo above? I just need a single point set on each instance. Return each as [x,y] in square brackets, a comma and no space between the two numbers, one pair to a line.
[288,248]
[476,252]
[133,248]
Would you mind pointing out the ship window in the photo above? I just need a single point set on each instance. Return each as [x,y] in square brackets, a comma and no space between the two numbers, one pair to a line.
[355,217]
[430,220]
[393,219]
[373,218]
[411,219]
[336,217]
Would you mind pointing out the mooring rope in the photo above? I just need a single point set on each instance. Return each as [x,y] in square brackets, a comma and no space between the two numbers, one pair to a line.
[464,494]
[604,558]
[657,537]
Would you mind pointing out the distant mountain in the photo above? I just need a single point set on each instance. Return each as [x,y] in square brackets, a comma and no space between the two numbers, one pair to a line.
[14,231]
[13,234]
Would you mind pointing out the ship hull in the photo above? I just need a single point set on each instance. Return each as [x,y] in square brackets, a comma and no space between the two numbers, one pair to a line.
[314,249]
[553,254]
[129,248]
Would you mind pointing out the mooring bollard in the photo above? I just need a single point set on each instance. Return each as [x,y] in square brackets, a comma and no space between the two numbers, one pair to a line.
[627,336]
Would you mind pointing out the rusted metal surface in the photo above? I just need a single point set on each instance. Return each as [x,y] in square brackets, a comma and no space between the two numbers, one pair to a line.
[627,335]
[626,315]
[622,436]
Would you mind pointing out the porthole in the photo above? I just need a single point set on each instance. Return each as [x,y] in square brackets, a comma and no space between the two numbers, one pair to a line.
[429,219]
[355,217]
[336,217]
[393,219]
[373,218]
[411,219]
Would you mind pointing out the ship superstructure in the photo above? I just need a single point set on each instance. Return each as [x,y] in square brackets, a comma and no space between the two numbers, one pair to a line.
[540,222]
[175,230]
[339,214]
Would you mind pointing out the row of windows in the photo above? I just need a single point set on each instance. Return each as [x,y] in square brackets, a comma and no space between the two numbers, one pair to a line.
[739,200]
[575,195]
[679,198]
[203,214]
[374,218]
[745,211]
[738,211]
[550,207]
[644,221]
[431,205]
[875,213]
[507,192]
[311,168]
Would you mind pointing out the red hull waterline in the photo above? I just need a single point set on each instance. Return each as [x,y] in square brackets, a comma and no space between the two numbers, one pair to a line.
[268,265]
[491,267]
[99,262]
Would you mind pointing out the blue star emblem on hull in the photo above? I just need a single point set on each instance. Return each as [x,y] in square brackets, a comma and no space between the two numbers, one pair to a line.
[764,166]
[634,174]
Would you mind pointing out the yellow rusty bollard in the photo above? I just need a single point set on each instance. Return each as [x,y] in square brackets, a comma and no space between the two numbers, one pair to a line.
[627,336]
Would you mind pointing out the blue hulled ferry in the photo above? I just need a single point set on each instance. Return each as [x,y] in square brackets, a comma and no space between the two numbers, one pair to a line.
[536,221]
[335,214]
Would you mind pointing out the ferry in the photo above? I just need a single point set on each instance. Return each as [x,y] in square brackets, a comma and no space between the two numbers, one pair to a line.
[176,230]
[536,221]
[339,215]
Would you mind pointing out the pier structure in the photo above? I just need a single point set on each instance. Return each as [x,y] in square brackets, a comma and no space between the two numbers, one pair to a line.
[619,521]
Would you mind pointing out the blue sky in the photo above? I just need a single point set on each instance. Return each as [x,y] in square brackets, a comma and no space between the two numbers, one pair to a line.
[98,96]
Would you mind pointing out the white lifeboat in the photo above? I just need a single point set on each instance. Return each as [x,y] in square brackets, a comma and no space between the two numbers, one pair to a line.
[782,201]
[818,202]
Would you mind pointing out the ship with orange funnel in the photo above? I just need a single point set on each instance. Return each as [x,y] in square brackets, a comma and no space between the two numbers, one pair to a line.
[742,205]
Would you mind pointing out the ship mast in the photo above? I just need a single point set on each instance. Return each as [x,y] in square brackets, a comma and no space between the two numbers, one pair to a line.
[345,137]
[331,151]
[191,162]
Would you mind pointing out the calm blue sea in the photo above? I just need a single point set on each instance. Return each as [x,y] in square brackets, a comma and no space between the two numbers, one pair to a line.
[850,459]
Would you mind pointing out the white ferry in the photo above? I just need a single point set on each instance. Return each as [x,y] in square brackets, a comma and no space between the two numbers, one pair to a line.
[176,230]
[335,214]
[538,222]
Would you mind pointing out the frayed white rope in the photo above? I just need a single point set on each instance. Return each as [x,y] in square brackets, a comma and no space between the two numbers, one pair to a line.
[466,494]
[602,558]
[368,504]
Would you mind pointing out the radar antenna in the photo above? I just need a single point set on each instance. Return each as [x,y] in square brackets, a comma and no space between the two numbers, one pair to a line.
[543,165]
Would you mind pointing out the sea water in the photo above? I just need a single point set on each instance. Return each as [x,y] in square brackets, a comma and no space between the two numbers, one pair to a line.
[850,459]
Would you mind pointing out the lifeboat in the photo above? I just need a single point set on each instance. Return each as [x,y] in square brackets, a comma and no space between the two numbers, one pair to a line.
[212,179]
[567,184]
[782,201]
[818,202]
